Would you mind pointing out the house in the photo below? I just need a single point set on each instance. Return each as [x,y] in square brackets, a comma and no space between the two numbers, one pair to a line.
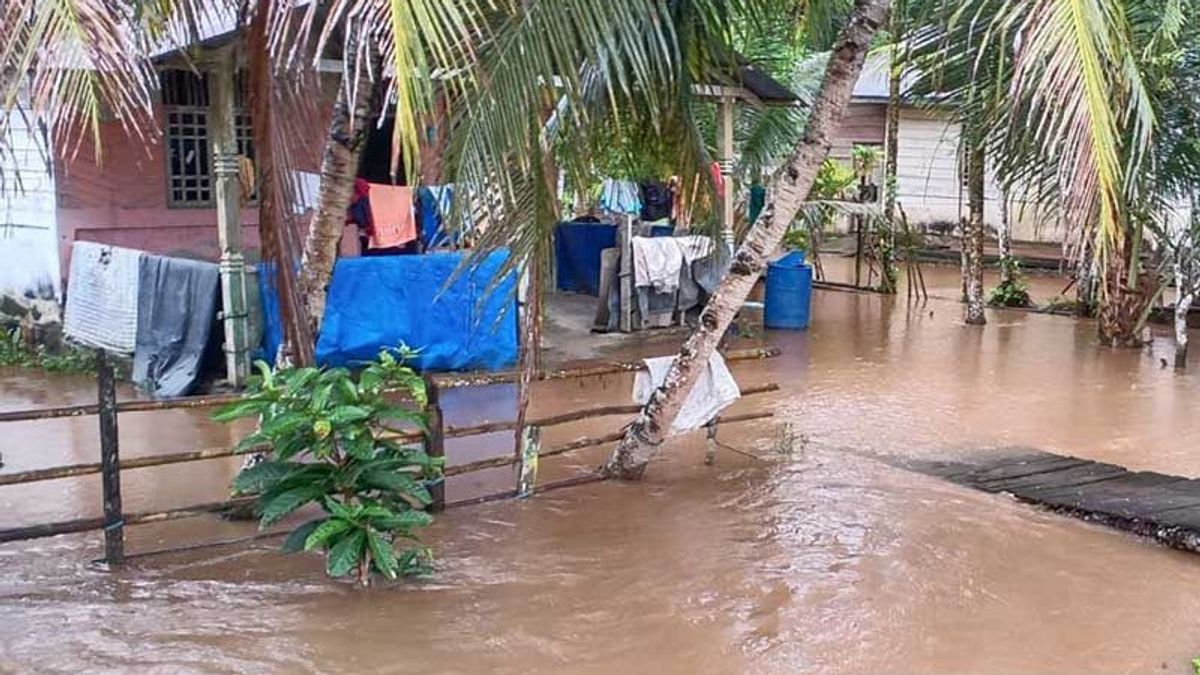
[929,181]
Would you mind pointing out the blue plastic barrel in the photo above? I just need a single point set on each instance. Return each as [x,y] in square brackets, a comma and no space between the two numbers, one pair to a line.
[789,293]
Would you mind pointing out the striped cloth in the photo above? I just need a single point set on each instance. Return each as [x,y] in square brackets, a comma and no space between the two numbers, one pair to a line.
[102,297]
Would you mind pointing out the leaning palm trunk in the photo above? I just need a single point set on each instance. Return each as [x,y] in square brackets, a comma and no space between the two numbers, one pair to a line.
[339,167]
[973,237]
[787,192]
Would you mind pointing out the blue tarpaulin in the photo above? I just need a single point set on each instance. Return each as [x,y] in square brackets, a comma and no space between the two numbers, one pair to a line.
[382,302]
[577,248]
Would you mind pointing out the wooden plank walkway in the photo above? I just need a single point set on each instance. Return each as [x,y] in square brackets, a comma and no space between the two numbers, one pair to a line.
[1166,508]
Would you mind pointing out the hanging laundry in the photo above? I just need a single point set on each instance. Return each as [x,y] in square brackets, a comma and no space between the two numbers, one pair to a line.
[102,297]
[620,196]
[713,392]
[434,203]
[177,310]
[391,216]
[656,201]
[656,263]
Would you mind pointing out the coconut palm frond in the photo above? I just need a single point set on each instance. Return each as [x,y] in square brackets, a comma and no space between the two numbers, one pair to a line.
[1077,98]
[75,63]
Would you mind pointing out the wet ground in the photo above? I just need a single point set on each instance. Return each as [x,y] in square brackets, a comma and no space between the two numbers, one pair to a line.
[823,560]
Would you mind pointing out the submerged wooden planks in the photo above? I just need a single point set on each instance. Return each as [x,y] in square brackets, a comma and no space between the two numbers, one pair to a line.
[1147,503]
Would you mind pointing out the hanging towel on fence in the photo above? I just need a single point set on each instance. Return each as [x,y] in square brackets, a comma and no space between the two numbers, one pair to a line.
[102,297]
[177,307]
[620,196]
[656,263]
[715,391]
[391,215]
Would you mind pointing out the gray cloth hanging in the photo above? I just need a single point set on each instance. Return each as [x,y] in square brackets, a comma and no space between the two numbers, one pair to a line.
[177,307]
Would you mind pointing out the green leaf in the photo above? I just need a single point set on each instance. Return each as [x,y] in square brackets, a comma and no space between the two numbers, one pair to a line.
[295,540]
[250,442]
[240,409]
[348,414]
[328,531]
[400,485]
[283,504]
[416,560]
[338,509]
[261,475]
[406,520]
[346,553]
[383,554]
[284,424]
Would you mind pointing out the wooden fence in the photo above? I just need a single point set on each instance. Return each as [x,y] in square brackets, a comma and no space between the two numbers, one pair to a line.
[107,410]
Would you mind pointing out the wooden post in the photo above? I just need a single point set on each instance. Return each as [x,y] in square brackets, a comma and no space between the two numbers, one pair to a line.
[625,242]
[527,469]
[435,440]
[110,469]
[725,150]
[227,189]
[710,443]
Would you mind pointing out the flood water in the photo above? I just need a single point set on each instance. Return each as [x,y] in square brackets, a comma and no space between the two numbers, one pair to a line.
[824,560]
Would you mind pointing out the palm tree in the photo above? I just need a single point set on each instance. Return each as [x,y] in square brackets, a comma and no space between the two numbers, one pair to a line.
[788,190]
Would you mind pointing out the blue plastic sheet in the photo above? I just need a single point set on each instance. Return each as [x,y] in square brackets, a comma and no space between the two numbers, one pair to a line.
[382,302]
[577,248]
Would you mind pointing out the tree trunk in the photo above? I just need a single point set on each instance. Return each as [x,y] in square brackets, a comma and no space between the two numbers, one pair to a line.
[1123,301]
[339,166]
[787,192]
[973,237]
[1183,303]
[1004,242]
[887,258]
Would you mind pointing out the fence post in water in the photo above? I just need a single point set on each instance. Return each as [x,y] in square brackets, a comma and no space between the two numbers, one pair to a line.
[435,440]
[527,469]
[710,442]
[110,470]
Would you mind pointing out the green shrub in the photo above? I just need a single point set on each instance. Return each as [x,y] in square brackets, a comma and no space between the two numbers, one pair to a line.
[327,447]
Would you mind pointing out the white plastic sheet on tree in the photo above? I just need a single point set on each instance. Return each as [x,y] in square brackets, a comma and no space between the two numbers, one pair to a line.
[715,391]
[102,297]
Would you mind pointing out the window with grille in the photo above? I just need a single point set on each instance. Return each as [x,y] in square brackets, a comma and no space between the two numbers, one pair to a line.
[189,151]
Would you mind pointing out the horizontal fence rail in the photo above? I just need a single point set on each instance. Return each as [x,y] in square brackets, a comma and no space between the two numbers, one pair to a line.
[107,409]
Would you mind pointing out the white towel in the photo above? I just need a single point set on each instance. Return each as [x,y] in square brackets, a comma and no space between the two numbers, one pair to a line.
[656,263]
[102,297]
[715,391]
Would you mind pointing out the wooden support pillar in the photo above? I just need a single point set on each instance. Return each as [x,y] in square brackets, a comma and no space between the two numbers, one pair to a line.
[725,149]
[625,274]
[110,462]
[435,439]
[227,188]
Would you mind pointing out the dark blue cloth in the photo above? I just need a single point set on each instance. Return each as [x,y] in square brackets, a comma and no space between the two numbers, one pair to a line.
[433,207]
[380,303]
[577,248]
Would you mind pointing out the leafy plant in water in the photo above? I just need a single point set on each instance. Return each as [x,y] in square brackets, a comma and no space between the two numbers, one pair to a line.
[325,435]
[1012,291]
[15,352]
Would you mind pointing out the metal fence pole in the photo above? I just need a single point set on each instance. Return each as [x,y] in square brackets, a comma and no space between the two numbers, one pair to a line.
[114,533]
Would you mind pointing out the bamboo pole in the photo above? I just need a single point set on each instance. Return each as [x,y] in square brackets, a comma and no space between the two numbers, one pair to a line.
[97,523]
[445,381]
[76,470]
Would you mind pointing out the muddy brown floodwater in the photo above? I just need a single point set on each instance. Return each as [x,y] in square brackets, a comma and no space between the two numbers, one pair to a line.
[824,561]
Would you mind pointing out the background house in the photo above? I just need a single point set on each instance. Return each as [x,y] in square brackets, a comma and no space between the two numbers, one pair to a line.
[930,185]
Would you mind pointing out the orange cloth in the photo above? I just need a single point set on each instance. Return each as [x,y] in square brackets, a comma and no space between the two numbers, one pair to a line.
[392,214]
